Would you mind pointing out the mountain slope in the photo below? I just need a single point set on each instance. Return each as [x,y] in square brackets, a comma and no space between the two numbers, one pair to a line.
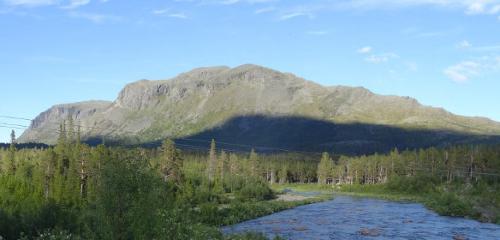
[206,98]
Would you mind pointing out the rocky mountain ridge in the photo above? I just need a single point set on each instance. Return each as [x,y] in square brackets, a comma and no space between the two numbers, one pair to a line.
[207,98]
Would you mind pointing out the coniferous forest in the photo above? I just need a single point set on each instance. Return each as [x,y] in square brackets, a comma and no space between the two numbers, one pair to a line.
[76,191]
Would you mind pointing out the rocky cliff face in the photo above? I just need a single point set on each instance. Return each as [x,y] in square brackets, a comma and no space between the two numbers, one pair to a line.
[206,98]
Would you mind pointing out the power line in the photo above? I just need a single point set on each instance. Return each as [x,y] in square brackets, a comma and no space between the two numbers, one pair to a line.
[246,145]
[207,148]
[12,127]
[13,124]
[13,117]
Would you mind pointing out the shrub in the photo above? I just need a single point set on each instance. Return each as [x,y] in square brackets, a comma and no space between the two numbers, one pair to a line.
[416,184]
[255,190]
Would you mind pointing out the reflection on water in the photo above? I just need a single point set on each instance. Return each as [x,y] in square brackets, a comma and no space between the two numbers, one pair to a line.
[364,218]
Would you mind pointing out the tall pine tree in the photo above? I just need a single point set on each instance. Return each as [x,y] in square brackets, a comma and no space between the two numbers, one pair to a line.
[12,153]
[171,162]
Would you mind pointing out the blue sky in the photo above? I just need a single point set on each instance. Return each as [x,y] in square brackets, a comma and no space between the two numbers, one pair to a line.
[444,53]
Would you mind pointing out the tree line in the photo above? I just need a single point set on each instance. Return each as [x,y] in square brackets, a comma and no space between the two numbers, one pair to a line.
[105,192]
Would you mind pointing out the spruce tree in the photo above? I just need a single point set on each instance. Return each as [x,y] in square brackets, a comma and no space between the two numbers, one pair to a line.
[171,162]
[12,153]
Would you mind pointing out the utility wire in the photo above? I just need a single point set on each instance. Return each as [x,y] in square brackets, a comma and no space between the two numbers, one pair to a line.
[13,124]
[12,127]
[13,117]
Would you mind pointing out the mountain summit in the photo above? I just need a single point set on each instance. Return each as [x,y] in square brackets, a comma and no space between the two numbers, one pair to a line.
[205,100]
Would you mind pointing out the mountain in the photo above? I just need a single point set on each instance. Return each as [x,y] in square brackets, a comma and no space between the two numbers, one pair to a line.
[242,103]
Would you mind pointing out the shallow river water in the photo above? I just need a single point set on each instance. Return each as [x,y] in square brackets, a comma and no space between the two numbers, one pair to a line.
[364,218]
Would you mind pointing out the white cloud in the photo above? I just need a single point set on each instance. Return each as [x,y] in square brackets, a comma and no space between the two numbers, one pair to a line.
[264,10]
[463,71]
[64,4]
[167,12]
[381,58]
[463,44]
[160,11]
[178,15]
[76,3]
[291,15]
[95,17]
[467,6]
[31,3]
[376,57]
[466,70]
[365,50]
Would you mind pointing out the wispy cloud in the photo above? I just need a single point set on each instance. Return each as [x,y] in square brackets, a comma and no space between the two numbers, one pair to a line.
[376,57]
[466,70]
[462,71]
[264,10]
[76,4]
[178,15]
[63,4]
[467,6]
[160,11]
[380,58]
[365,50]
[291,15]
[169,13]
[95,17]
[463,44]
[31,3]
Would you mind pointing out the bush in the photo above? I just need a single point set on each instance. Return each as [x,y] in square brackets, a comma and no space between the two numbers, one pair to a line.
[255,190]
[416,184]
[449,204]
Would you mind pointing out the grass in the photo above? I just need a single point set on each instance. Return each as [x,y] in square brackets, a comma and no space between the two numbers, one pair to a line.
[303,187]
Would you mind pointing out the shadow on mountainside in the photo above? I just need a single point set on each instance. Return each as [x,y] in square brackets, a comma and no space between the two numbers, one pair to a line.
[272,133]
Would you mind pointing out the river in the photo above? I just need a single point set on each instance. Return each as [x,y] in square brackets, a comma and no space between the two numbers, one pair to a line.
[347,217]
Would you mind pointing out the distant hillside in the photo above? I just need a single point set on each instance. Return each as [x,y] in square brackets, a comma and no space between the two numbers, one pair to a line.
[206,100]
